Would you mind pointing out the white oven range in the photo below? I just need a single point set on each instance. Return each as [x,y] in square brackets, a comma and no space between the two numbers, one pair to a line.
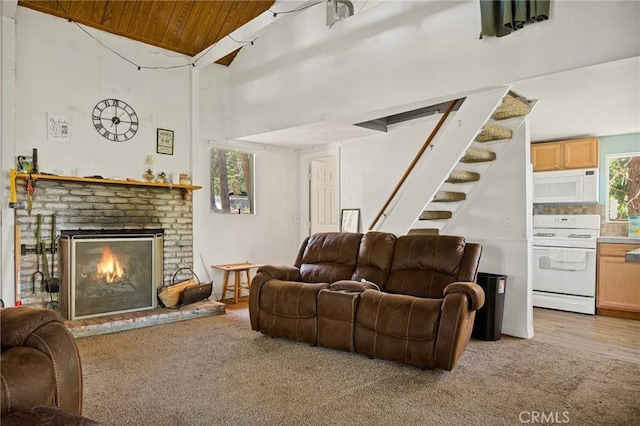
[564,262]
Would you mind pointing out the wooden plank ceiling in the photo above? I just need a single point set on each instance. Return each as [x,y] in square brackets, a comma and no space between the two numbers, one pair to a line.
[181,26]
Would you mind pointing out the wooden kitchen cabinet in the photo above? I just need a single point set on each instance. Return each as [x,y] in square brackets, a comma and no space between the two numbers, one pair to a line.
[565,155]
[546,156]
[618,284]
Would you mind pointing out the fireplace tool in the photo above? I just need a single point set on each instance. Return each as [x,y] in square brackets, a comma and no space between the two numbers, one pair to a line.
[48,286]
[53,284]
[38,272]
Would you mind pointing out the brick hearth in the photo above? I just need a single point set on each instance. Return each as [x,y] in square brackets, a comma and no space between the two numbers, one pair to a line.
[121,322]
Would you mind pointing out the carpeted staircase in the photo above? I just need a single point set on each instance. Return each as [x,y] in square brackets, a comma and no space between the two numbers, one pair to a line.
[465,176]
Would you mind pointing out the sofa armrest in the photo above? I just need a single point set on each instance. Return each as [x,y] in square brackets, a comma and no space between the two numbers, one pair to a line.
[353,286]
[266,273]
[473,291]
[18,324]
[44,330]
[458,312]
[285,273]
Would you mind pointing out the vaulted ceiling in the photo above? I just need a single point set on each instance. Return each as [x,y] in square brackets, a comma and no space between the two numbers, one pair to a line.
[183,26]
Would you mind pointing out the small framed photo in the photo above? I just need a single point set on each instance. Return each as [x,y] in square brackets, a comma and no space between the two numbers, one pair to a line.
[165,142]
[350,220]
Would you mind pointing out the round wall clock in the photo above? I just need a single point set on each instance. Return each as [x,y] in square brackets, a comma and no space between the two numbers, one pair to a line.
[115,120]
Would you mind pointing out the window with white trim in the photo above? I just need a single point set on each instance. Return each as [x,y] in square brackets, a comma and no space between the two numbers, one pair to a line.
[623,186]
[232,181]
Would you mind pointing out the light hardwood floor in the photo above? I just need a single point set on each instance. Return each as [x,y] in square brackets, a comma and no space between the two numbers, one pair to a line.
[617,338]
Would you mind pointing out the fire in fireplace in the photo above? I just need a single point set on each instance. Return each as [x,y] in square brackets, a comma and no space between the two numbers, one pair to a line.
[109,268]
[109,272]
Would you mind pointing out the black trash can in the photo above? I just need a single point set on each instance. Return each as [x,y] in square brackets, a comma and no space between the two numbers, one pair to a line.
[488,322]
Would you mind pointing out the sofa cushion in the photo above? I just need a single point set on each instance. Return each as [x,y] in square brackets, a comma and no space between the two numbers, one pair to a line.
[329,257]
[397,327]
[289,309]
[399,315]
[374,257]
[290,298]
[423,265]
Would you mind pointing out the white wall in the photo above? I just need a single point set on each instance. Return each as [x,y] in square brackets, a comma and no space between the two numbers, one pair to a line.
[271,235]
[400,52]
[372,166]
[61,70]
[497,214]
[7,115]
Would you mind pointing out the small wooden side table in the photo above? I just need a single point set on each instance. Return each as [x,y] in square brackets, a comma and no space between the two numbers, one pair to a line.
[238,269]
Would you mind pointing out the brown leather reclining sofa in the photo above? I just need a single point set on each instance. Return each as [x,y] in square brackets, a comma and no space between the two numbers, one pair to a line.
[410,299]
[41,370]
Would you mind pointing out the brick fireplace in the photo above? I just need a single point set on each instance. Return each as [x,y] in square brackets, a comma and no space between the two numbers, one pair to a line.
[96,208]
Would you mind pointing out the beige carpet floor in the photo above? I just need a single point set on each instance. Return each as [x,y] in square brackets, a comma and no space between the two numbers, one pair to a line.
[216,371]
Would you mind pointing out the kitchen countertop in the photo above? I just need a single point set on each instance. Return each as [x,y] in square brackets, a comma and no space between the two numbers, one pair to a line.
[632,256]
[619,240]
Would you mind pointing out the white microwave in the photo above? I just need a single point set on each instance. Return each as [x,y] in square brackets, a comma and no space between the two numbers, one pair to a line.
[566,186]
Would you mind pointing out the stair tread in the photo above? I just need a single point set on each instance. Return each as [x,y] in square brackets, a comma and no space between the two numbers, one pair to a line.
[435,215]
[449,196]
[476,155]
[462,176]
[511,107]
[493,132]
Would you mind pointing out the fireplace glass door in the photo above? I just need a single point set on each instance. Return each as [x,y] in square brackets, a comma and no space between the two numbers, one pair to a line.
[109,275]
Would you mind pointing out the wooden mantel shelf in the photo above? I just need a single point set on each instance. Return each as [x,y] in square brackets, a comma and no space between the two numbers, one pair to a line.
[185,188]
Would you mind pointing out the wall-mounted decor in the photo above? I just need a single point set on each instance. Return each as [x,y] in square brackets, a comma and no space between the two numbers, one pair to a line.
[115,120]
[58,128]
[165,142]
[350,220]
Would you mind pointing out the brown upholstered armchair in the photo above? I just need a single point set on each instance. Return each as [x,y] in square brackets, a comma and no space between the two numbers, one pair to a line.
[40,364]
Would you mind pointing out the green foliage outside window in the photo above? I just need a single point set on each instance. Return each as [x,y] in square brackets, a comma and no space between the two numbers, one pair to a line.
[231,181]
[624,187]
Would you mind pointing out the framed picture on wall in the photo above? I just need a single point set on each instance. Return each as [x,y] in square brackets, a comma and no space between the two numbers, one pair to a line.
[350,220]
[164,142]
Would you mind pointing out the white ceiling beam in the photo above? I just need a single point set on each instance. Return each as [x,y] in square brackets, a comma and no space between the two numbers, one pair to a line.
[9,8]
[250,31]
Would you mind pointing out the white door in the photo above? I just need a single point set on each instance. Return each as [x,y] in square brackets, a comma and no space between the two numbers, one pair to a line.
[323,196]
